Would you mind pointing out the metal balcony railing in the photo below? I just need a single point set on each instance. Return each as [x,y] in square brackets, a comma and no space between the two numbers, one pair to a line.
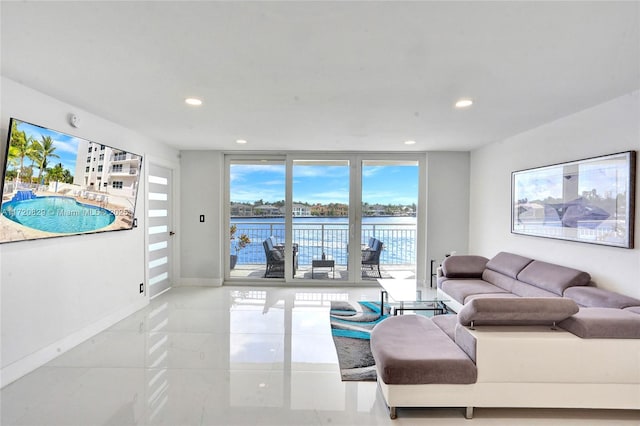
[314,238]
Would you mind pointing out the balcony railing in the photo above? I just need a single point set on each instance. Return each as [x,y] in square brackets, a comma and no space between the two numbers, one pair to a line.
[314,238]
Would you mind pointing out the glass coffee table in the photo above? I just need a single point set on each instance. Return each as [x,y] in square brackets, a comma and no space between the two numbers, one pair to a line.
[405,295]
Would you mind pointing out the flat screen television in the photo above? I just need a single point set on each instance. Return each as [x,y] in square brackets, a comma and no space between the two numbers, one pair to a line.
[56,184]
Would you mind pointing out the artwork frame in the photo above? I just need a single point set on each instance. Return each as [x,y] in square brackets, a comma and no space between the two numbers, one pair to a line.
[591,200]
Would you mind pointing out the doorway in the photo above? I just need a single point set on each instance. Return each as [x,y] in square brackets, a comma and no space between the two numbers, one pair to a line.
[159,229]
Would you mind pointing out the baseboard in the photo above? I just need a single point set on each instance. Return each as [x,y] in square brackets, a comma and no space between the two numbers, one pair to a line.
[29,363]
[200,282]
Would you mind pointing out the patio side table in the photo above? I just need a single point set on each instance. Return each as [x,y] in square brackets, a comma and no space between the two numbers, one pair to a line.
[324,263]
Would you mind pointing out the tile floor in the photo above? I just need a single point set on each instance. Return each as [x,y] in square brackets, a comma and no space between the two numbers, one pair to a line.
[231,356]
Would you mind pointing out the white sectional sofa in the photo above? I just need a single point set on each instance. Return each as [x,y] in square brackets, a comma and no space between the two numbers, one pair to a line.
[503,349]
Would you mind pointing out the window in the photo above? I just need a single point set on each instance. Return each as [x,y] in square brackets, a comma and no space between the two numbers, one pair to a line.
[87,169]
[326,207]
[117,168]
[389,213]
[321,214]
[256,213]
[116,184]
[88,159]
[100,168]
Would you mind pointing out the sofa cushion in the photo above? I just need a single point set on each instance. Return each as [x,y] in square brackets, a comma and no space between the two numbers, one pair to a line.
[466,341]
[508,264]
[459,289]
[552,277]
[464,266]
[605,323]
[490,295]
[519,311]
[498,279]
[528,290]
[634,309]
[411,349]
[594,297]
[446,323]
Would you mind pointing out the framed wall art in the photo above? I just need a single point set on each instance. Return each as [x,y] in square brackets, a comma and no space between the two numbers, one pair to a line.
[590,200]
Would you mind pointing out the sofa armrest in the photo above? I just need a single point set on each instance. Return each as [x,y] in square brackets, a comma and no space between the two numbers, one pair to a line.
[465,266]
[517,311]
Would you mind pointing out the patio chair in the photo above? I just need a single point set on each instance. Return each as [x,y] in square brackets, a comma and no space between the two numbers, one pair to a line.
[275,259]
[371,255]
[274,254]
[280,247]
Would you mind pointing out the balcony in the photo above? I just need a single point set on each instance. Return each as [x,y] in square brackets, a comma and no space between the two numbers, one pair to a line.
[315,238]
[125,158]
[123,172]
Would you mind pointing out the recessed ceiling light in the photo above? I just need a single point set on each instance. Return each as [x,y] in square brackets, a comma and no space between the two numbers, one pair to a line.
[409,142]
[464,103]
[193,101]
[241,141]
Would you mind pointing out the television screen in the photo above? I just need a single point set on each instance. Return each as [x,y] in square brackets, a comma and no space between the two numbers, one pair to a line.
[55,185]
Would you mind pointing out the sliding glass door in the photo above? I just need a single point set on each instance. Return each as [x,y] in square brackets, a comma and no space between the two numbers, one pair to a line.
[389,218]
[325,219]
[256,218]
[320,218]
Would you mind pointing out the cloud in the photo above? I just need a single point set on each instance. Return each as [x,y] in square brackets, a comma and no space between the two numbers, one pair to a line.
[371,171]
[300,171]
[239,172]
[253,193]
[69,146]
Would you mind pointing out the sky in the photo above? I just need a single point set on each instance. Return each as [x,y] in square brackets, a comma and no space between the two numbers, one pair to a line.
[392,184]
[607,176]
[66,146]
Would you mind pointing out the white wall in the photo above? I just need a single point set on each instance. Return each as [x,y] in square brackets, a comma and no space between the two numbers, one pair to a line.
[607,128]
[202,192]
[201,188]
[58,292]
[447,204]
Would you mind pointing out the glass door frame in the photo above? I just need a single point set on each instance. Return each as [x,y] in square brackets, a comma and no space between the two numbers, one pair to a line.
[310,156]
[355,160]
[258,158]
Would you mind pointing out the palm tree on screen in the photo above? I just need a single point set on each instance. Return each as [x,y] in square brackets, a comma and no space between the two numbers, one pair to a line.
[42,152]
[57,173]
[23,145]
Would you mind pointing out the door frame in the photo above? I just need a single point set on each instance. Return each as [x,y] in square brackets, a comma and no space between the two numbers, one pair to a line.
[174,220]
[355,160]
[355,207]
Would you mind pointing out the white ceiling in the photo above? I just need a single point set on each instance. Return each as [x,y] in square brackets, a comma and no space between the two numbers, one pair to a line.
[325,75]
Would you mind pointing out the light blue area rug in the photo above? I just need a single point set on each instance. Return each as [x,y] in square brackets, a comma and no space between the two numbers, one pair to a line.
[351,325]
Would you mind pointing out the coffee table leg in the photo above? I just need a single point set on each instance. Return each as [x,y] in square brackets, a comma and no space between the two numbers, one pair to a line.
[383,296]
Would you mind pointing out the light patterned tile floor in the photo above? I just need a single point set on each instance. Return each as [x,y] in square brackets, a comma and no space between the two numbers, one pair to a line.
[231,356]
